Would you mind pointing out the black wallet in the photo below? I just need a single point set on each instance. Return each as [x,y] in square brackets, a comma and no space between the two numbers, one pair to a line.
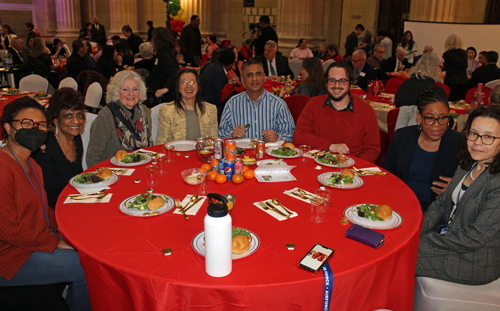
[365,235]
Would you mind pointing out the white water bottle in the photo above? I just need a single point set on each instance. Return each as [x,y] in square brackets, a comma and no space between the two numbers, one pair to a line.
[218,237]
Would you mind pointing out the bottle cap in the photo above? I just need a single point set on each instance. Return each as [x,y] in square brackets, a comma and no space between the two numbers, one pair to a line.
[217,208]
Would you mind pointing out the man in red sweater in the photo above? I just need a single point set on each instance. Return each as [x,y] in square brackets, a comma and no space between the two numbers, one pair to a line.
[339,122]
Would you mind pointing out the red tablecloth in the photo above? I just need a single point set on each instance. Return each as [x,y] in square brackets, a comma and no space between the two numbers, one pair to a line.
[126,270]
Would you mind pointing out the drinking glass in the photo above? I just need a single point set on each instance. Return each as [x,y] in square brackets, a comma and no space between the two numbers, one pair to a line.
[305,149]
[151,175]
[318,210]
[204,184]
[162,165]
[324,193]
[168,150]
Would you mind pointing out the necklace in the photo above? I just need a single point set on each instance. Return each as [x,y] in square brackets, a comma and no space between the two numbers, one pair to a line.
[471,177]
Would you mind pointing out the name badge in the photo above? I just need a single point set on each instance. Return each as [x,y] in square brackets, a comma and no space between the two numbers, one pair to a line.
[362,74]
[156,61]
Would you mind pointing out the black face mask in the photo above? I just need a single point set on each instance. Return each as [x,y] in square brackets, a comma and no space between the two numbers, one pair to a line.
[30,139]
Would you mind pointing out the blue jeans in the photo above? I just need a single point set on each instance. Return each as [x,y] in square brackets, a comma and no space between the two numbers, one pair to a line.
[61,266]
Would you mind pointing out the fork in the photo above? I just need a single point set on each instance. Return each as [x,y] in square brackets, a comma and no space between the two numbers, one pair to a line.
[266,207]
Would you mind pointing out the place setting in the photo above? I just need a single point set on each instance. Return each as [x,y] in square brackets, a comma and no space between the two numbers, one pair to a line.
[92,186]
[274,208]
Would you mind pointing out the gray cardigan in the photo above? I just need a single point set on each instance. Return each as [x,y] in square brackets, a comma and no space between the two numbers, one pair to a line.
[104,142]
[471,248]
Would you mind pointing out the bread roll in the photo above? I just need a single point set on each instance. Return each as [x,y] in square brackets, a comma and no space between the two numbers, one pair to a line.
[347,172]
[241,244]
[120,154]
[289,145]
[40,93]
[105,173]
[384,212]
[155,204]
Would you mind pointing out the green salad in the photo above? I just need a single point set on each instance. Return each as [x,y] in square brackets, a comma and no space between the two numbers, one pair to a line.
[239,231]
[284,151]
[328,158]
[133,158]
[40,95]
[337,179]
[88,178]
[368,211]
[140,202]
[13,92]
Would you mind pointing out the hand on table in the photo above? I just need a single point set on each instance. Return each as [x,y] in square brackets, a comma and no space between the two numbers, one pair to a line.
[439,187]
[401,68]
[239,131]
[270,136]
[339,148]
[63,245]
[160,92]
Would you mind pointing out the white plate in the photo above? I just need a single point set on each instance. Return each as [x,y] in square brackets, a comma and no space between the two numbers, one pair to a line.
[114,161]
[198,244]
[350,162]
[132,212]
[273,162]
[108,182]
[183,145]
[297,155]
[395,221]
[323,178]
[244,143]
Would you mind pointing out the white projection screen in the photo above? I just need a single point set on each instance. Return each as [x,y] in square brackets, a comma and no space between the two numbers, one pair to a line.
[481,36]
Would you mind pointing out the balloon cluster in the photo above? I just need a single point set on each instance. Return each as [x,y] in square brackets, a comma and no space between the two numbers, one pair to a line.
[177,17]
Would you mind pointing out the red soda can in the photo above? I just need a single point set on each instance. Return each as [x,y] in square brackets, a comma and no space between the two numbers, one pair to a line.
[214,163]
[200,144]
[219,148]
[230,150]
[238,166]
[260,148]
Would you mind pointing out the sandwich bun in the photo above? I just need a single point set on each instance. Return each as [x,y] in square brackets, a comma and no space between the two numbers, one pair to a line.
[155,204]
[40,93]
[289,145]
[241,244]
[120,154]
[347,172]
[105,173]
[384,212]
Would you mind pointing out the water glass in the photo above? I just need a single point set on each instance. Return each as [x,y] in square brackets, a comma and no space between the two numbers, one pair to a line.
[318,209]
[162,165]
[168,150]
[324,193]
[305,149]
[151,175]
[203,190]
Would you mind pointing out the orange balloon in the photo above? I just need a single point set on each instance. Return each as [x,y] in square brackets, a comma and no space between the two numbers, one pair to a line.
[249,174]
[238,178]
[220,178]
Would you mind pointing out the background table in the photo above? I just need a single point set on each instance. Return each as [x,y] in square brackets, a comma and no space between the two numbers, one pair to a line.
[126,269]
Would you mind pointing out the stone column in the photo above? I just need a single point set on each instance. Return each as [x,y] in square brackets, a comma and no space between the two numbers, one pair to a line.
[202,8]
[68,20]
[122,12]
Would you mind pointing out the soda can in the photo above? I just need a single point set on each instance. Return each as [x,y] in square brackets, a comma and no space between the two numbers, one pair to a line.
[230,150]
[221,166]
[229,169]
[200,144]
[214,163]
[260,148]
[219,148]
[238,166]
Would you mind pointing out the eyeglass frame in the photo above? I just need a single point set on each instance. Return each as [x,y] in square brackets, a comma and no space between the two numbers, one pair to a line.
[35,124]
[436,119]
[469,132]
[339,81]
[186,83]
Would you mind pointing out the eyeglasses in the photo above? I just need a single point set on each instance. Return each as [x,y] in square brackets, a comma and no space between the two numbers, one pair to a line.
[486,139]
[28,124]
[428,120]
[356,60]
[342,81]
[186,82]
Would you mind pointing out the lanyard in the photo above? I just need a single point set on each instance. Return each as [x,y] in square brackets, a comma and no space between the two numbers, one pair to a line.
[39,184]
[460,195]
[327,272]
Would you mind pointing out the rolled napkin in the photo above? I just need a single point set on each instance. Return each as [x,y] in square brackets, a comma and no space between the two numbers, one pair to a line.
[273,213]
[122,171]
[275,144]
[148,151]
[294,193]
[90,190]
[373,169]
[92,199]
[192,210]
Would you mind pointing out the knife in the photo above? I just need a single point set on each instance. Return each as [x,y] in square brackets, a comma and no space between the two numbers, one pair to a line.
[277,210]
[193,204]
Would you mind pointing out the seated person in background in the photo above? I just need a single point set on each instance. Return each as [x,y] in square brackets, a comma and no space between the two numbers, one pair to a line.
[460,236]
[215,58]
[147,57]
[26,51]
[482,58]
[424,156]
[212,41]
[39,52]
[109,63]
[76,64]
[125,123]
[32,251]
[495,96]
[89,56]
[274,65]
[188,117]
[61,159]
[115,39]
[396,63]
[333,53]
[101,43]
[214,78]
[427,49]
[426,72]
[60,49]
[267,115]
[313,78]
[234,74]
[338,122]
[124,51]
[86,33]
[245,53]
[472,62]
[179,51]
[322,52]
[301,51]
[16,46]
[363,73]
[486,73]
[377,56]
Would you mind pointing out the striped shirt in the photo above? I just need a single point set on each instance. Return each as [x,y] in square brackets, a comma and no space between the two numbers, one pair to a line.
[271,113]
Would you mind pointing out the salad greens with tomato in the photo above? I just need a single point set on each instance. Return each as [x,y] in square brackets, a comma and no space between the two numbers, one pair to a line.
[140,202]
[337,179]
[284,151]
[328,158]
[133,158]
[368,211]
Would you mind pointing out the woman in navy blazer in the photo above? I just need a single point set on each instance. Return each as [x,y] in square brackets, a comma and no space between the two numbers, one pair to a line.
[425,156]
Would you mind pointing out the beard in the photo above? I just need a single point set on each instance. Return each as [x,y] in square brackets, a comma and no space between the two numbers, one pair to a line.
[338,97]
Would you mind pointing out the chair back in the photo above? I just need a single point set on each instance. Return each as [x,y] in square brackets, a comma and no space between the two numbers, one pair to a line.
[68,82]
[392,118]
[90,117]
[445,87]
[155,113]
[86,78]
[392,85]
[296,104]
[469,97]
[493,84]
[33,83]
[327,64]
[94,95]
[295,66]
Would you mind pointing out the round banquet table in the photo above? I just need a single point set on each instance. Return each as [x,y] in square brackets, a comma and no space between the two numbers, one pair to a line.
[126,269]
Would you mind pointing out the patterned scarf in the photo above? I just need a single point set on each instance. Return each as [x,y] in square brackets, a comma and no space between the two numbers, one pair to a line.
[132,136]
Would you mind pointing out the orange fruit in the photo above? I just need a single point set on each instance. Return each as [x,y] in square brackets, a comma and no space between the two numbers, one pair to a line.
[202,170]
[245,168]
[206,166]
[249,174]
[220,178]
[238,178]
[212,175]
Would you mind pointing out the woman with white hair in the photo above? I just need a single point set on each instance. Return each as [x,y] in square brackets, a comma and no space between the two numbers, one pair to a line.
[426,72]
[125,123]
[147,62]
[455,62]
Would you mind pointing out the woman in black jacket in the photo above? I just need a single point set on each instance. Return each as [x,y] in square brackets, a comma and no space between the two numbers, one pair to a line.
[109,63]
[455,63]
